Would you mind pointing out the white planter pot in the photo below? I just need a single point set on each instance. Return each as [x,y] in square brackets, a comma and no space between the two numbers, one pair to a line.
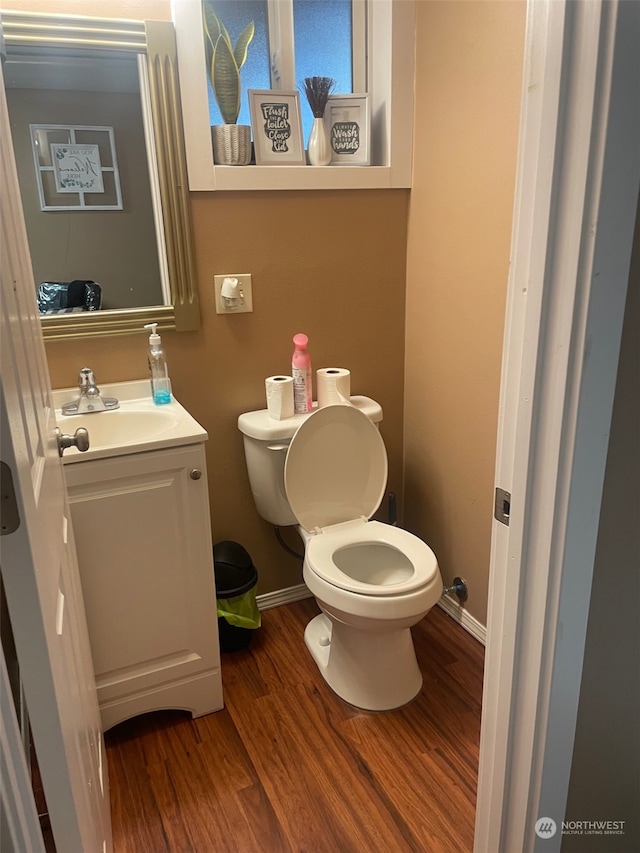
[231,144]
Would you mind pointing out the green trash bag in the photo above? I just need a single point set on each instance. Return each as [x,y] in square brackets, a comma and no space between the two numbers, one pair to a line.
[241,611]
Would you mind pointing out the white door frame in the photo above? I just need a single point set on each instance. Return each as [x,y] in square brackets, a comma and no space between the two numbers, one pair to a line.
[576,196]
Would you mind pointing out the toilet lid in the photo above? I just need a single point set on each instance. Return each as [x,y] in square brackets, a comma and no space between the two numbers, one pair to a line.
[336,468]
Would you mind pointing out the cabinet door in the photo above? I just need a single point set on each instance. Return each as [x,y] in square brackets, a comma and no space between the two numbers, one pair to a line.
[146,562]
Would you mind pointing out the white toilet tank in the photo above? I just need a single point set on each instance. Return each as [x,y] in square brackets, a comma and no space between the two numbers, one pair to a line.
[266,442]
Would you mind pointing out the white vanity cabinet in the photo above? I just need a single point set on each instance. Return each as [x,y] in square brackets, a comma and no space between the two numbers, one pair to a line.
[142,530]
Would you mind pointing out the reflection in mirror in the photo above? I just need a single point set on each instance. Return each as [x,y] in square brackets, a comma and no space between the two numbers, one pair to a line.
[96,129]
[65,112]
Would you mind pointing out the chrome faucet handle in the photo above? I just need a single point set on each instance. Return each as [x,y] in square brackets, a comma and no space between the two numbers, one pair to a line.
[90,399]
[86,381]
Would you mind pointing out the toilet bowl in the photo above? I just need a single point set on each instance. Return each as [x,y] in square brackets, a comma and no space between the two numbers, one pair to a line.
[372,581]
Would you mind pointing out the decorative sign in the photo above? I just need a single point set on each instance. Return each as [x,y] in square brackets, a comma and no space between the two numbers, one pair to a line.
[347,121]
[345,137]
[77,168]
[277,127]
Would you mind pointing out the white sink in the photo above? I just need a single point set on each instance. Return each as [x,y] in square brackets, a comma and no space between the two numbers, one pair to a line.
[138,425]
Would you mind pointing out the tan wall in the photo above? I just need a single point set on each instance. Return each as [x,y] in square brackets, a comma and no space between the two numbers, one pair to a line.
[329,264]
[334,264]
[136,10]
[469,63]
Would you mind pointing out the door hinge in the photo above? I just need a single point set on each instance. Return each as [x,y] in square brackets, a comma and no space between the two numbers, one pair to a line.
[9,516]
[502,507]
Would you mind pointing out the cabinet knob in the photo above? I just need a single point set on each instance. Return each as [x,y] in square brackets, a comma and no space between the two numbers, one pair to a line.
[195,474]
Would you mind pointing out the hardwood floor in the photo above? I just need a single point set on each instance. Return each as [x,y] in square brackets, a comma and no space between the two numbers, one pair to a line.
[288,766]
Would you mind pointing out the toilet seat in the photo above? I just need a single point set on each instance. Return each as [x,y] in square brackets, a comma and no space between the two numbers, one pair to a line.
[335,475]
[336,468]
[397,561]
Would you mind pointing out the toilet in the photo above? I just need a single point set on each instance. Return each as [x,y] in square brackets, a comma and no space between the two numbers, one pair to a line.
[326,472]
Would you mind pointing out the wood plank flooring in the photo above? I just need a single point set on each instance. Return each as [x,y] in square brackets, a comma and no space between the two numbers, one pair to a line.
[288,767]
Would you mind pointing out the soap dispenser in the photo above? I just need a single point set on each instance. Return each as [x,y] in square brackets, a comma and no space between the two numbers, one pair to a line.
[158,372]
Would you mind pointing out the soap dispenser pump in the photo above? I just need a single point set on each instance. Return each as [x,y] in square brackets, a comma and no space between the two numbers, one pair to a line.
[158,372]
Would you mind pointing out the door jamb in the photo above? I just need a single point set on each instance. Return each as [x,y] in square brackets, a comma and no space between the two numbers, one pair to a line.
[576,196]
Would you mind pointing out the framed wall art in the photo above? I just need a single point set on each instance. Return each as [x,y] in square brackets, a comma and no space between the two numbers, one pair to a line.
[277,127]
[76,167]
[348,125]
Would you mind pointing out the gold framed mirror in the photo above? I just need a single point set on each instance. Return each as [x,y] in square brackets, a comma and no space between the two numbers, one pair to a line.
[153,44]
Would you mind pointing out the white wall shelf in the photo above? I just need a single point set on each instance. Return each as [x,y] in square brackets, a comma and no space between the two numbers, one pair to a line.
[299,177]
[391,87]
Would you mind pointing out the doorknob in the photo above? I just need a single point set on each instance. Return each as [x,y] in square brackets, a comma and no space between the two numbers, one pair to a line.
[79,439]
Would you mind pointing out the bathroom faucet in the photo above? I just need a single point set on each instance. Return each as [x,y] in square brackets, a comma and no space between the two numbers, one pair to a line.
[90,399]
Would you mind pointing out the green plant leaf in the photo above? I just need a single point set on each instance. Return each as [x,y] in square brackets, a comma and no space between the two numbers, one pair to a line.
[211,26]
[242,45]
[225,33]
[225,78]
[223,62]
[211,23]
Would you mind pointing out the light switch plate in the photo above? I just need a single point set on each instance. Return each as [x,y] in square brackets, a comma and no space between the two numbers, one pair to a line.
[246,294]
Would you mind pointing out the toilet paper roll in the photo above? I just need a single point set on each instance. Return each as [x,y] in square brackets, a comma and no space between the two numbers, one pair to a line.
[279,397]
[334,386]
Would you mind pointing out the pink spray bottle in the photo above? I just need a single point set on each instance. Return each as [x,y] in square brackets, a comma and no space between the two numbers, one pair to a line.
[301,370]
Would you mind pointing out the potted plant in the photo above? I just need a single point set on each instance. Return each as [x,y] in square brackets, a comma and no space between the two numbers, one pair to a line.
[231,141]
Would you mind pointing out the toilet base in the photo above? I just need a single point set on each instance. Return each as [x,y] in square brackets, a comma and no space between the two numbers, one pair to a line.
[372,670]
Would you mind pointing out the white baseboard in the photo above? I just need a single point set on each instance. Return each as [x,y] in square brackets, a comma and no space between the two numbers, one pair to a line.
[464,618]
[282,596]
[452,608]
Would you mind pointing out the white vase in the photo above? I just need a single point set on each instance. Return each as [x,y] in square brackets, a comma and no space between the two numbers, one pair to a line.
[319,147]
[231,144]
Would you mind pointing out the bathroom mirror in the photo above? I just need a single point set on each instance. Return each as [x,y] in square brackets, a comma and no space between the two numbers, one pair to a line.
[137,60]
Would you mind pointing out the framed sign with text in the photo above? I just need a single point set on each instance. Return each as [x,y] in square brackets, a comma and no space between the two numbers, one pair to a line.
[277,127]
[348,126]
[76,167]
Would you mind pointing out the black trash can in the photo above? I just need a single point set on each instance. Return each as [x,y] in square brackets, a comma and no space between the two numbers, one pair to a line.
[236,580]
